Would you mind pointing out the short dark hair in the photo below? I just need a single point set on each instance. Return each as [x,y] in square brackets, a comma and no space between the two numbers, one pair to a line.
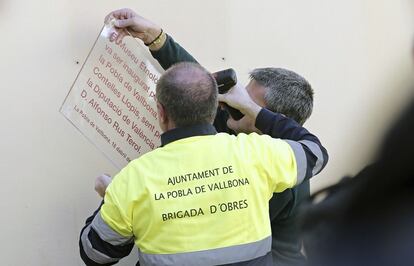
[188,93]
[286,92]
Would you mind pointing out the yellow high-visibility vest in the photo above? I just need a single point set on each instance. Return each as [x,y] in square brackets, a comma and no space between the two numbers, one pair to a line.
[203,195]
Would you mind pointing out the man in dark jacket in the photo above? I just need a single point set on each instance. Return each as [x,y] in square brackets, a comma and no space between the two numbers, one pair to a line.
[278,90]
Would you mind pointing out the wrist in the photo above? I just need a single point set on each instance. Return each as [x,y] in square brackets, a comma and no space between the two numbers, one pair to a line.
[252,109]
[151,34]
[158,42]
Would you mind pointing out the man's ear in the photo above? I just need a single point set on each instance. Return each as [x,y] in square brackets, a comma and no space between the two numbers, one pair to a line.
[161,113]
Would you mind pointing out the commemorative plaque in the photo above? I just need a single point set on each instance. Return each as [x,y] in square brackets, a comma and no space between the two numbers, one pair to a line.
[112,101]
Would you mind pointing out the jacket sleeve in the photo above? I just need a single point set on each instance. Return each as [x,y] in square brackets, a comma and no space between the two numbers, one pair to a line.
[311,157]
[107,235]
[97,245]
[171,53]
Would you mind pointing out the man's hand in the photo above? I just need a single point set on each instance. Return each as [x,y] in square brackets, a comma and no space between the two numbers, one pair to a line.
[101,183]
[238,98]
[245,125]
[137,26]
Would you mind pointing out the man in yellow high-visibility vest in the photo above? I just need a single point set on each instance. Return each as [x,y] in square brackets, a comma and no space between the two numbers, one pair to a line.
[202,197]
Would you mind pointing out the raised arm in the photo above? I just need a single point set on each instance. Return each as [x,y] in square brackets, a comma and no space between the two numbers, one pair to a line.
[310,156]
[162,46]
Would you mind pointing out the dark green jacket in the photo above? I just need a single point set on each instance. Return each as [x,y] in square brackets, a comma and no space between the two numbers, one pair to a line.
[283,207]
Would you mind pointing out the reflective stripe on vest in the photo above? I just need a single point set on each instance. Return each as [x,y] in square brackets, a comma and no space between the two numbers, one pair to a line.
[217,256]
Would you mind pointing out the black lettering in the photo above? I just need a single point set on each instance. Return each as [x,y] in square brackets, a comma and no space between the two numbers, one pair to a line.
[182,214]
[229,206]
[213,209]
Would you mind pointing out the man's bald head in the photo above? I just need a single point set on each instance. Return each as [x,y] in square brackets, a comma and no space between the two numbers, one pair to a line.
[188,93]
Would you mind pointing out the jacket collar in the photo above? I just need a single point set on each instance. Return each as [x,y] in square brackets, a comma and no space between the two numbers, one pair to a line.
[186,132]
